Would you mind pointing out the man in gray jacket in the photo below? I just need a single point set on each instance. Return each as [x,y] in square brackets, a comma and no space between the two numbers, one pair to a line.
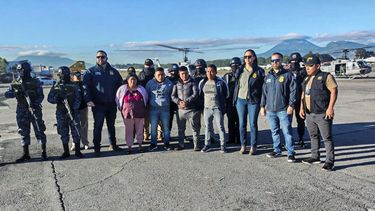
[185,94]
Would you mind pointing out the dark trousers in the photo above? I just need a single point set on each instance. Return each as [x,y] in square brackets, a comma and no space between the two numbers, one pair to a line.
[107,112]
[300,122]
[315,124]
[233,131]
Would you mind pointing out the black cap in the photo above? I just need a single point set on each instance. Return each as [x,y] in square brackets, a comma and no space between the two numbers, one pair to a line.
[149,62]
[296,57]
[314,59]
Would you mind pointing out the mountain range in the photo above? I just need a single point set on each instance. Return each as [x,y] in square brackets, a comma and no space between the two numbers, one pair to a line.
[285,47]
[303,46]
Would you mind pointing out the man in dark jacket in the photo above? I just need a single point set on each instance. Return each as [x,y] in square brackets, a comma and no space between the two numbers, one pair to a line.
[185,94]
[278,100]
[100,84]
[232,115]
[299,74]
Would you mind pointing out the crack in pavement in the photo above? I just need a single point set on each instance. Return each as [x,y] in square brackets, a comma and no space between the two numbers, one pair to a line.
[61,197]
[112,175]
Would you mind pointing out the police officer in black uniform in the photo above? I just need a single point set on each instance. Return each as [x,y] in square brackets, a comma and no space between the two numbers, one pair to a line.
[26,88]
[173,77]
[100,84]
[67,97]
[144,76]
[199,74]
[229,78]
[299,73]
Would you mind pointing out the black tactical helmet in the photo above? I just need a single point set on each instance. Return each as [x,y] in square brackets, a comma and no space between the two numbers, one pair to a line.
[64,73]
[296,57]
[235,61]
[174,68]
[131,70]
[24,69]
[201,63]
[149,62]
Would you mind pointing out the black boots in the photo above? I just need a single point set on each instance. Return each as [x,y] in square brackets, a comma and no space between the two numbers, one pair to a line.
[66,153]
[44,153]
[78,151]
[25,156]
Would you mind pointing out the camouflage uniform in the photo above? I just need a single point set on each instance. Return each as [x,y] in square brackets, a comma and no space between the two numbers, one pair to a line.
[23,116]
[72,93]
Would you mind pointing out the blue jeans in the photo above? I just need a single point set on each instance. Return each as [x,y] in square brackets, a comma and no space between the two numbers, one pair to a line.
[244,109]
[155,117]
[277,119]
[209,115]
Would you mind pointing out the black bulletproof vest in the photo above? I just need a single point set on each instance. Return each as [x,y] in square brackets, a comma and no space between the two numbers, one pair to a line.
[319,93]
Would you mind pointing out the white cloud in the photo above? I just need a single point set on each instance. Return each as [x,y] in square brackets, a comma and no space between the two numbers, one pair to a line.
[359,36]
[40,53]
[213,42]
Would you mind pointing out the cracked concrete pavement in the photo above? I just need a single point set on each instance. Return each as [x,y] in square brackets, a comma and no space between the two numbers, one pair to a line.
[188,180]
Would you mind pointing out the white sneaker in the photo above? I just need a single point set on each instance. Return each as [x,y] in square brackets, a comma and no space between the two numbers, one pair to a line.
[86,147]
[73,147]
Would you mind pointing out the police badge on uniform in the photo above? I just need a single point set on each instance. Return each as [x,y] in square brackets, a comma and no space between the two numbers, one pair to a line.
[320,78]
[255,75]
[281,79]
[111,72]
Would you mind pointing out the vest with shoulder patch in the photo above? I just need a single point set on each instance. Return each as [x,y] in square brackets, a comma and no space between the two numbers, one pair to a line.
[319,93]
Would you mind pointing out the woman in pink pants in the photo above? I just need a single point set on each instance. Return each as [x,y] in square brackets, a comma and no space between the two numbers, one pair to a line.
[131,100]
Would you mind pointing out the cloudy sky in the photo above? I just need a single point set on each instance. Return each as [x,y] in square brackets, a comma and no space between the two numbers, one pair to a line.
[77,28]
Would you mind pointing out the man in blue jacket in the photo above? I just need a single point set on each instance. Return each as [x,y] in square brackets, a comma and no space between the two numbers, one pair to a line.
[278,99]
[100,84]
[215,93]
[159,91]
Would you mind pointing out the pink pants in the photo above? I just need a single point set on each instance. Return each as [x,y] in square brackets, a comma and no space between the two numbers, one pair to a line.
[130,125]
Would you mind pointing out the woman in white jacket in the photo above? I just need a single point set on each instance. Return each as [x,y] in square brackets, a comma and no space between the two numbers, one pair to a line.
[131,100]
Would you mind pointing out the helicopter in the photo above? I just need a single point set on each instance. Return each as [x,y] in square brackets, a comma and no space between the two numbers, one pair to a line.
[185,61]
[346,67]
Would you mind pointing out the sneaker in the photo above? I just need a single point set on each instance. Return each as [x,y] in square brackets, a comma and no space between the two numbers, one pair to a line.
[206,148]
[140,149]
[291,159]
[196,148]
[328,167]
[273,155]
[223,149]
[153,147]
[178,148]
[73,147]
[311,161]
[114,147]
[167,147]
[86,146]
[253,151]
[242,150]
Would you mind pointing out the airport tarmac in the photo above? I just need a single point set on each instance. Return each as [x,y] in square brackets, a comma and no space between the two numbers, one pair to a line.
[188,180]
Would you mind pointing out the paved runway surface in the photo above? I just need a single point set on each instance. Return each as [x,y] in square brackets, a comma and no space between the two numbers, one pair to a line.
[188,180]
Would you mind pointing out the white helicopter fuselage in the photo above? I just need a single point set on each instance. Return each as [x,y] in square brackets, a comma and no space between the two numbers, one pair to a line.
[347,68]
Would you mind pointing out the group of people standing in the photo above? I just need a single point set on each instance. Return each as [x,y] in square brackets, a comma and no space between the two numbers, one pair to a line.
[150,99]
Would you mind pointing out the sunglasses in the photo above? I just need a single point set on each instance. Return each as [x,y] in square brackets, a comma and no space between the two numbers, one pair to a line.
[247,57]
[100,57]
[275,60]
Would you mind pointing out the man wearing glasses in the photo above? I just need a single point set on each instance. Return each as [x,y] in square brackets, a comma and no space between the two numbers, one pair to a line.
[100,84]
[318,99]
[277,103]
